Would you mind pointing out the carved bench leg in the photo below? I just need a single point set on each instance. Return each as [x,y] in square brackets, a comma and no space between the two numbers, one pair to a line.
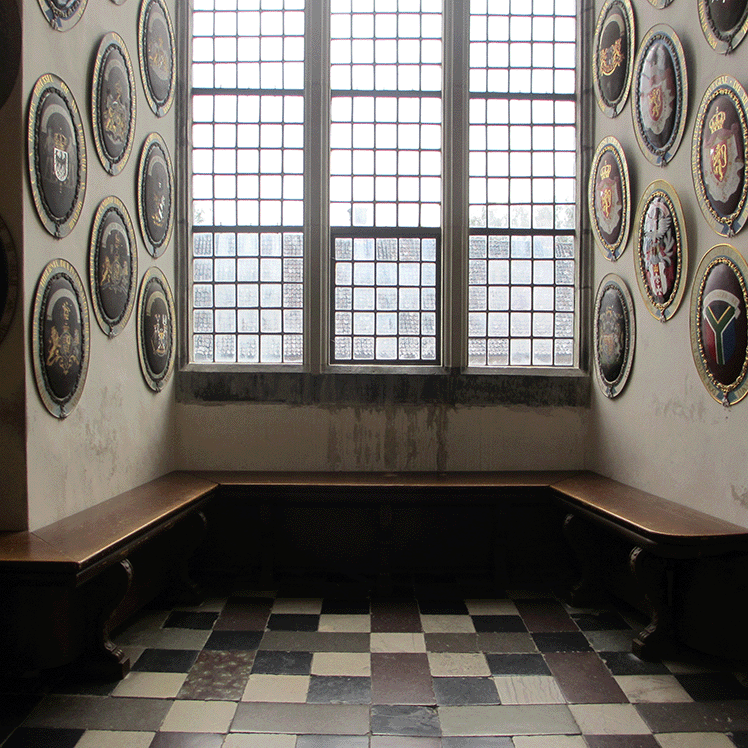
[650,573]
[187,537]
[577,534]
[101,657]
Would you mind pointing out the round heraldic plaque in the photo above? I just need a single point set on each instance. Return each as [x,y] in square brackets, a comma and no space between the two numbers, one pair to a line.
[718,155]
[63,14]
[155,194]
[613,55]
[610,198]
[57,155]
[60,337]
[156,329]
[719,324]
[156,51]
[724,23]
[615,333]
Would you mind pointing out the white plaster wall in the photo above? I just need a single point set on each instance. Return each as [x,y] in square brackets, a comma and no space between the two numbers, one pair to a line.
[665,433]
[255,436]
[12,348]
[120,434]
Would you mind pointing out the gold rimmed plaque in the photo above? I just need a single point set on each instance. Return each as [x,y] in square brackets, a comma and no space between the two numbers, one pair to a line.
[156,327]
[613,55]
[155,194]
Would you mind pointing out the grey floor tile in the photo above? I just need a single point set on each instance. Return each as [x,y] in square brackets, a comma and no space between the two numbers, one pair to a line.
[339,689]
[698,716]
[282,663]
[43,737]
[507,720]
[465,691]
[315,641]
[399,719]
[332,741]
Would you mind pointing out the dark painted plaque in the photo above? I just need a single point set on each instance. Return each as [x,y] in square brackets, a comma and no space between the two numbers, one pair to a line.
[613,50]
[10,47]
[724,23]
[660,94]
[718,155]
[157,55]
[719,323]
[662,250]
[60,337]
[156,328]
[615,333]
[62,14]
[155,194]
[8,279]
[112,265]
[57,155]
[113,103]
[610,198]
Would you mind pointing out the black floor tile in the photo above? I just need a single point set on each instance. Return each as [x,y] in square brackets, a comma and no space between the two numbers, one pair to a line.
[465,691]
[282,663]
[626,663]
[14,708]
[293,622]
[561,641]
[43,737]
[436,606]
[339,689]
[498,624]
[185,619]
[600,621]
[227,640]
[712,686]
[740,739]
[186,740]
[166,660]
[517,664]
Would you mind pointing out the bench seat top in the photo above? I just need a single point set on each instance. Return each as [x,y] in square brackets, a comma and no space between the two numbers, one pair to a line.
[78,541]
[655,519]
[404,479]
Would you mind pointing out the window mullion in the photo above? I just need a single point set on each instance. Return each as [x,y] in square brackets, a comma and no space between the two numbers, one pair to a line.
[455,181]
[316,181]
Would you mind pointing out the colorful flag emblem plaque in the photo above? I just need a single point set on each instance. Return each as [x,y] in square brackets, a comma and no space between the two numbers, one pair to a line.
[60,337]
[724,23]
[718,155]
[719,323]
[57,155]
[614,335]
[113,103]
[156,329]
[609,198]
[613,55]
[661,260]
[660,94]
[112,265]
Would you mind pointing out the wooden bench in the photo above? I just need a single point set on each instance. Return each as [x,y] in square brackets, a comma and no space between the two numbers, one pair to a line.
[660,538]
[61,583]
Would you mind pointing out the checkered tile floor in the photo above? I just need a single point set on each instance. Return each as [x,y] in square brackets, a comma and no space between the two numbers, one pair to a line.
[442,664]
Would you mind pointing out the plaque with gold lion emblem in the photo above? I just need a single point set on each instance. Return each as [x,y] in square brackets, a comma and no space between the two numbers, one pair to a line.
[719,323]
[60,337]
[62,14]
[660,95]
[112,265]
[613,55]
[113,103]
[155,194]
[724,23]
[156,329]
[609,197]
[56,155]
[157,56]
[718,155]
[614,335]
[8,279]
